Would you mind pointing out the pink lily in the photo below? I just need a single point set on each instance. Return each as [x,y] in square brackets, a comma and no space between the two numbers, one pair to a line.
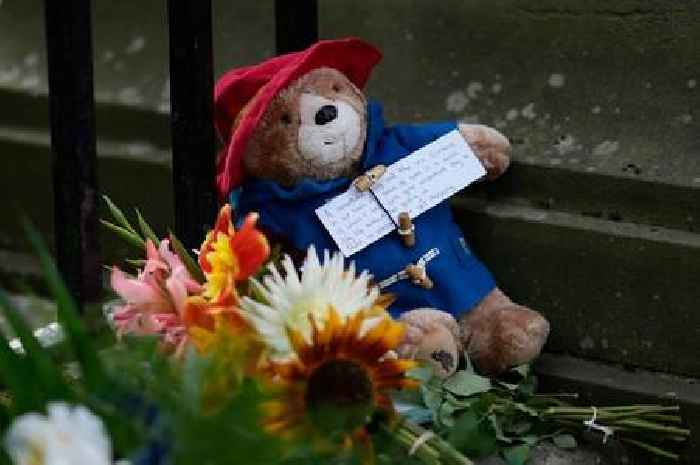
[155,299]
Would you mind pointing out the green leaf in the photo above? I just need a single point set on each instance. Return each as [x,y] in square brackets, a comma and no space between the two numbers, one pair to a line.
[517,455]
[446,416]
[48,376]
[473,436]
[564,441]
[20,379]
[497,429]
[146,229]
[118,215]
[130,237]
[460,403]
[432,398]
[68,315]
[192,266]
[467,384]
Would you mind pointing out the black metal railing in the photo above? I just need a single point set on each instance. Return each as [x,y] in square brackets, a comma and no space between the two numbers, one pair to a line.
[72,110]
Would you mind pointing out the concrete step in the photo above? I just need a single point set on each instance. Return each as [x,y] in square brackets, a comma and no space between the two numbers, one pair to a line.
[603,384]
[622,196]
[614,291]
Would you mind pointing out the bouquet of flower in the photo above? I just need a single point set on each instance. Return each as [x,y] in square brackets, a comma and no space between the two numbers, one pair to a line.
[234,355]
[320,340]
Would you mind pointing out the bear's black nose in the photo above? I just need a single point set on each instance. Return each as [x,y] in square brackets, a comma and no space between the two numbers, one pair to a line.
[326,114]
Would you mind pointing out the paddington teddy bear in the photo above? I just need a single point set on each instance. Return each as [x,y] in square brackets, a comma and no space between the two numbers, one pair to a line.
[297,130]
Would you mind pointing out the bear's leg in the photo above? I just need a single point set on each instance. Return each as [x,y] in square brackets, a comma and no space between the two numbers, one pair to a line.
[499,334]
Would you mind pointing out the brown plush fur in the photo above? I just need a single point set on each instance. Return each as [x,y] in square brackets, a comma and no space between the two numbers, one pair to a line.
[497,333]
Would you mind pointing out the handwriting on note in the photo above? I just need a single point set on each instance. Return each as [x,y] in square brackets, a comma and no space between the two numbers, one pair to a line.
[414,184]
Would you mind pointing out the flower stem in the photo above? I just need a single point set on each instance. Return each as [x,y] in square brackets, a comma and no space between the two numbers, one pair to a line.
[447,451]
[424,453]
[650,448]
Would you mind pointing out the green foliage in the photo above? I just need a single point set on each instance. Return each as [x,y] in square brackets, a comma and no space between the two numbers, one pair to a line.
[129,237]
[121,226]
[123,383]
[146,230]
[68,316]
[138,237]
[192,267]
[482,416]
[466,384]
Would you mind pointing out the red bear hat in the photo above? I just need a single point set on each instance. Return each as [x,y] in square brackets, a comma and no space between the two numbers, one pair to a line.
[253,87]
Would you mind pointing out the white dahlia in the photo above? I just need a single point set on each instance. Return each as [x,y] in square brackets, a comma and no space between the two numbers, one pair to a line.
[289,300]
[67,435]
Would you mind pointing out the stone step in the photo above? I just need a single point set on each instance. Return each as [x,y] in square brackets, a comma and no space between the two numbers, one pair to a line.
[603,384]
[623,196]
[613,291]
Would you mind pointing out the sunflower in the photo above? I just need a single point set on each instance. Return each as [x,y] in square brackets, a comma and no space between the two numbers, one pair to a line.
[337,380]
[228,256]
[286,302]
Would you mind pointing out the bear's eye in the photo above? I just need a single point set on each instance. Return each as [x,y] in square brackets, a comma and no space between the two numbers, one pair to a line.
[337,87]
[286,119]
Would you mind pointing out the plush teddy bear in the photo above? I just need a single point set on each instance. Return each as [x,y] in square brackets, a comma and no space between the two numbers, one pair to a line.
[297,130]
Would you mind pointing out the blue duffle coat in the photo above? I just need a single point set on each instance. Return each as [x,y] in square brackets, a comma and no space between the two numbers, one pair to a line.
[460,280]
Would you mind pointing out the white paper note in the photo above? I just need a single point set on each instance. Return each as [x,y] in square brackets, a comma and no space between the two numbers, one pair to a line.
[414,184]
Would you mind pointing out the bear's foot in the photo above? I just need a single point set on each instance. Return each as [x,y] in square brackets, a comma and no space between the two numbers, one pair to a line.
[499,334]
[432,337]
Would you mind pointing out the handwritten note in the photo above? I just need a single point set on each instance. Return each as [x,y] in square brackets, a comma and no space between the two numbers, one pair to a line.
[414,184]
[354,220]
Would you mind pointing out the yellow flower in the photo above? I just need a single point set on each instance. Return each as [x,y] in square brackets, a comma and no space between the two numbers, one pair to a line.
[228,256]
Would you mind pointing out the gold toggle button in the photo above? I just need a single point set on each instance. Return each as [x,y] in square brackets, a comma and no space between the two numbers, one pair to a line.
[365,181]
[418,276]
[407,230]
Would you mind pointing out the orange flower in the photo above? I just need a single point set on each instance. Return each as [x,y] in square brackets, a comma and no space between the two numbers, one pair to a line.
[228,256]
[337,380]
[232,351]
[202,319]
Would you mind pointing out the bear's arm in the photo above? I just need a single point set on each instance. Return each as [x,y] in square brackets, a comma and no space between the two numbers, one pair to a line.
[415,136]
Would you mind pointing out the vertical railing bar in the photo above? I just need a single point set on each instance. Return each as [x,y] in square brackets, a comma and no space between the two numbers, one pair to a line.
[191,98]
[296,24]
[74,159]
